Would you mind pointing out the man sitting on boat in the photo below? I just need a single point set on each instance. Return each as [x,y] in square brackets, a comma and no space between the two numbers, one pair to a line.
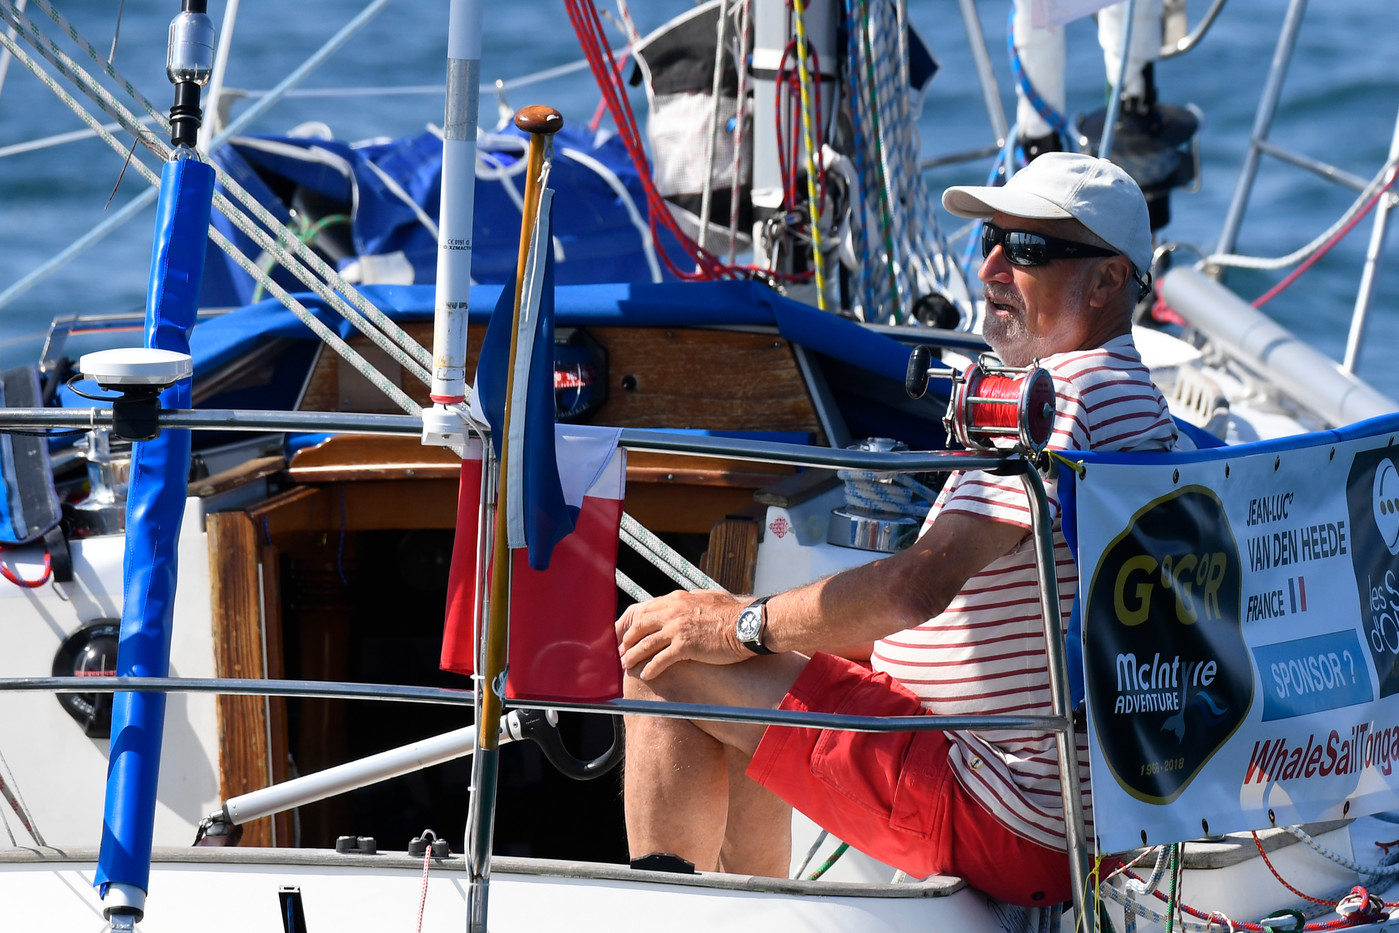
[950,626]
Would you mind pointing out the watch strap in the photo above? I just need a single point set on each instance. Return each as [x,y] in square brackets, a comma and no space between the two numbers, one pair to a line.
[756,644]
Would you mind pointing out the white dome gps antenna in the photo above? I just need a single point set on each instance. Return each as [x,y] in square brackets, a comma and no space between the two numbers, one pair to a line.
[140,375]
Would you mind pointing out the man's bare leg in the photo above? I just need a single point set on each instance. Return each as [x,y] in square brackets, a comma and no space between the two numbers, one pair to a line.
[758,840]
[676,787]
[678,797]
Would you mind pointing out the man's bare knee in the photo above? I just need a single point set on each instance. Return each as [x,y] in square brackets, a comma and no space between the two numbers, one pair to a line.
[760,683]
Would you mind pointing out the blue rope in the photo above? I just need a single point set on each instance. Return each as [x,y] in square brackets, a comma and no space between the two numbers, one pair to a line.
[1055,119]
[994,179]
[896,235]
[921,232]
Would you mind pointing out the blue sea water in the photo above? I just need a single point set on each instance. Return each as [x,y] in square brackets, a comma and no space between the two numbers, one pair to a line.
[1338,105]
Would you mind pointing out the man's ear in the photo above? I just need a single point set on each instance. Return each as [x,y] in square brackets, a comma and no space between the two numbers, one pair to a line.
[1109,279]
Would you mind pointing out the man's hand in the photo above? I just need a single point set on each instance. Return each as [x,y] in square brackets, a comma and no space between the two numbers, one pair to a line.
[680,626]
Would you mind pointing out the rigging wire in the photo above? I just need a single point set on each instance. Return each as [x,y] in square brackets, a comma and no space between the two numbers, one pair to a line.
[711,141]
[1366,200]
[1309,254]
[372,374]
[385,333]
[387,330]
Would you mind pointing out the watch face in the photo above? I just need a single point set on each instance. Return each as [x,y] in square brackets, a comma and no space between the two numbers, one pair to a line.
[750,623]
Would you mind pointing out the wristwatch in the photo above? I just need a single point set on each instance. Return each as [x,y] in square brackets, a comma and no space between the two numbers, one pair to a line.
[752,623]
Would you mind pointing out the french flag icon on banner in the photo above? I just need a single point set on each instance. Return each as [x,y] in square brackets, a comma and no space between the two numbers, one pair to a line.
[562,642]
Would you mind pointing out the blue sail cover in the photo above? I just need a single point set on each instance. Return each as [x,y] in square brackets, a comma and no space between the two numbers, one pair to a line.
[155,507]
[362,207]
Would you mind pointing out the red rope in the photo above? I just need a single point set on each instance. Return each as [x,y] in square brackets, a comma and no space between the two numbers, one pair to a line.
[1291,277]
[16,806]
[1282,881]
[596,121]
[790,82]
[588,26]
[1163,313]
[1219,918]
[786,161]
[591,37]
[17,580]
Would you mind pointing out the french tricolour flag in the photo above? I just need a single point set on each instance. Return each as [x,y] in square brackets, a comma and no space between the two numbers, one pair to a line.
[563,508]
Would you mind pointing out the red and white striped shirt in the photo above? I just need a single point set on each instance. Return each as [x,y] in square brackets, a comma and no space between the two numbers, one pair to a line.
[986,653]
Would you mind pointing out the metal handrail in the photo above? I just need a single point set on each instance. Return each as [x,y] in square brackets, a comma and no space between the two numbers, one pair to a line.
[630,438]
[441,696]
[1188,42]
[1059,721]
[1260,145]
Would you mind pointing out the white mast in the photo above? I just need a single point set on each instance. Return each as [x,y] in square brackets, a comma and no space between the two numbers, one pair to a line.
[455,221]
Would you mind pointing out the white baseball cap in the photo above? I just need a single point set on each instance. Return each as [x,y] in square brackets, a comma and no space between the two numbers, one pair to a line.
[1060,185]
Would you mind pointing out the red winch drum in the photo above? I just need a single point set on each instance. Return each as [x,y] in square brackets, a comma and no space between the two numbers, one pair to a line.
[990,402]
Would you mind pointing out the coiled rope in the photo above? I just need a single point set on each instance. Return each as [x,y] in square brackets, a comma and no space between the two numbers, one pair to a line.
[886,493]
[876,96]
[891,196]
[869,283]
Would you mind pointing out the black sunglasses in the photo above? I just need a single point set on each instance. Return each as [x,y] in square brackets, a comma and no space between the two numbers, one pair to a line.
[1024,248]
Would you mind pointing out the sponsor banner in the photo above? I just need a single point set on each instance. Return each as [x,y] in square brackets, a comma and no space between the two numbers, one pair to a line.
[1240,630]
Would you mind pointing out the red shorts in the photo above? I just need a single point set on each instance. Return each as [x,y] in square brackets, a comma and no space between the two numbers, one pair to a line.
[893,795]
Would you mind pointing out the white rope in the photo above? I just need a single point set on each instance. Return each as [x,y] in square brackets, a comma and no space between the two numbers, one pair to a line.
[1373,871]
[385,333]
[5,70]
[886,493]
[663,556]
[897,235]
[397,191]
[1291,259]
[633,589]
[394,392]
[491,168]
[643,229]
